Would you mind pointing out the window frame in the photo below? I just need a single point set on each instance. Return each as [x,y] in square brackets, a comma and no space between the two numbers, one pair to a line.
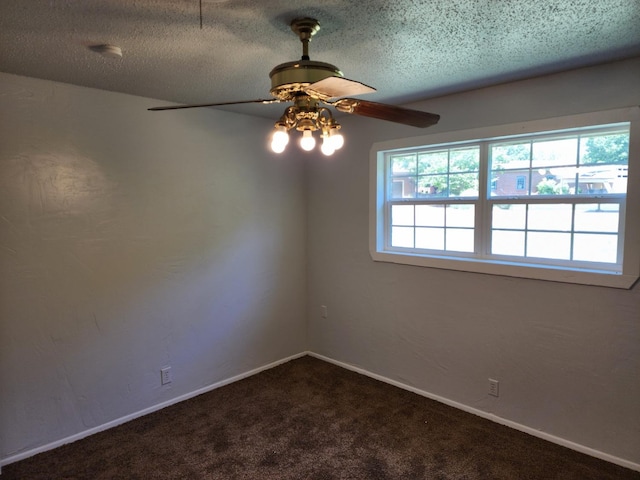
[629,236]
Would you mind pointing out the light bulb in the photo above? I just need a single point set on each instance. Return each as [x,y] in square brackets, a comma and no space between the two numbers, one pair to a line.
[307,142]
[280,136]
[277,147]
[337,140]
[279,140]
[327,146]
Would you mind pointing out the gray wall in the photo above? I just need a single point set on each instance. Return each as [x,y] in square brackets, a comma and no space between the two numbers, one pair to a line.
[567,356]
[131,240]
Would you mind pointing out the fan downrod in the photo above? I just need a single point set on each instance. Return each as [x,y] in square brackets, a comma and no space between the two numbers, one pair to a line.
[305,28]
[289,79]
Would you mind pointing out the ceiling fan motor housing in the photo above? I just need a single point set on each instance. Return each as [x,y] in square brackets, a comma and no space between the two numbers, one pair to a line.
[289,79]
[302,82]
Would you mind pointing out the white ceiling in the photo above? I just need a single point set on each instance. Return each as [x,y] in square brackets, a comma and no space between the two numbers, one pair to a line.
[408,49]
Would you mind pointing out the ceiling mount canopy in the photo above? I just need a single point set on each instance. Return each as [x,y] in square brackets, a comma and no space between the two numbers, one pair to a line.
[308,84]
[305,28]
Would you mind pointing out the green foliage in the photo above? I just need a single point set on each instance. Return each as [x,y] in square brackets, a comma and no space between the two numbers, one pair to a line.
[403,164]
[433,162]
[441,173]
[505,154]
[466,160]
[463,182]
[548,186]
[606,149]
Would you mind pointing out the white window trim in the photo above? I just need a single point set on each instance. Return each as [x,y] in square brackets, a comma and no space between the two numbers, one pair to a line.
[631,261]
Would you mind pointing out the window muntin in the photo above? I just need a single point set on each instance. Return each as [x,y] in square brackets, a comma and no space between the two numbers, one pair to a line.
[585,251]
[590,163]
[584,162]
[422,184]
[450,172]
[542,230]
[437,227]
[582,232]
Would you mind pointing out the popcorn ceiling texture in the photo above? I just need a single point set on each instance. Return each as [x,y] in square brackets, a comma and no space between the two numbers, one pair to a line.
[408,49]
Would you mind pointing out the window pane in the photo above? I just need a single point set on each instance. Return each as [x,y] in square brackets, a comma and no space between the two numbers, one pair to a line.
[611,148]
[401,214]
[465,160]
[595,248]
[463,185]
[403,187]
[596,217]
[460,239]
[555,181]
[425,187]
[551,185]
[505,182]
[515,155]
[432,186]
[507,243]
[461,216]
[402,237]
[550,199]
[509,216]
[430,238]
[430,215]
[549,245]
[554,152]
[433,162]
[403,164]
[605,158]
[550,217]
[600,179]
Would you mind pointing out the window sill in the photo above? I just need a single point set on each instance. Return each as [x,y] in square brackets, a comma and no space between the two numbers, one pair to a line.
[491,267]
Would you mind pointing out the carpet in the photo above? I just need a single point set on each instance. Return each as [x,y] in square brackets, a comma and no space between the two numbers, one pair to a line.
[309,419]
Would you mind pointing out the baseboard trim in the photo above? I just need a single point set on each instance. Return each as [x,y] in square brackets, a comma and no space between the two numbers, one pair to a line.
[141,413]
[494,418]
[489,416]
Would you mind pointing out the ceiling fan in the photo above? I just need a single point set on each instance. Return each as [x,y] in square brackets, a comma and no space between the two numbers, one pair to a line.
[309,84]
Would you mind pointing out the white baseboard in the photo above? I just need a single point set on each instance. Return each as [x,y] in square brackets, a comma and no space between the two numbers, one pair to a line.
[146,411]
[494,418]
[517,426]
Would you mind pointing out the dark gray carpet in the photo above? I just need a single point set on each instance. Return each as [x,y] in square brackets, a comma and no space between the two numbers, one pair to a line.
[308,419]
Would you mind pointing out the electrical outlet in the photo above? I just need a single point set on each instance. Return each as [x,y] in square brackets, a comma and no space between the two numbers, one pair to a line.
[493,387]
[323,311]
[165,375]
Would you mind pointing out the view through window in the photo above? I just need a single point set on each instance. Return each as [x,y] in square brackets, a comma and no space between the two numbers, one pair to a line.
[552,199]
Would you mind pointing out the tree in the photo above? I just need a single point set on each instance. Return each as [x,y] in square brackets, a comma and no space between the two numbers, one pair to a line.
[442,172]
[504,154]
[606,149]
[549,186]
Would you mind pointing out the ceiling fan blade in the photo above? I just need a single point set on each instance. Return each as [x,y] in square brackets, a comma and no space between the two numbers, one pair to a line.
[178,107]
[391,113]
[335,87]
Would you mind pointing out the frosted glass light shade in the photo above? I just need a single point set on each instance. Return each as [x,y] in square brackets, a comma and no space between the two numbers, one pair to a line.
[307,142]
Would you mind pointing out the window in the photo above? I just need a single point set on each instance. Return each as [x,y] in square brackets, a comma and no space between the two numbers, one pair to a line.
[550,202]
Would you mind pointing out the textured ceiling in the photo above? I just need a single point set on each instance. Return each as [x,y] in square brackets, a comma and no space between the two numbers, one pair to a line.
[408,49]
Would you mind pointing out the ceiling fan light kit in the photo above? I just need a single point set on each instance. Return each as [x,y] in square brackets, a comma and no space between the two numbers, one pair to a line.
[308,84]
[306,116]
